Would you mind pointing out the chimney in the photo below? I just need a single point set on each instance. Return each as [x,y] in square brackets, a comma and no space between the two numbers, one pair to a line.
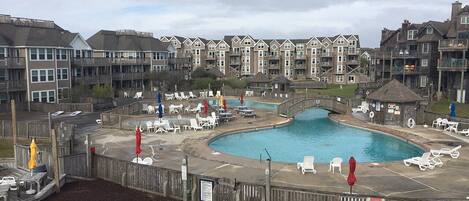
[455,9]
[405,24]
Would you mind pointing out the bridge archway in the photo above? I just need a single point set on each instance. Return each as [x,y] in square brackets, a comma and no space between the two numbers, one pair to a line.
[293,106]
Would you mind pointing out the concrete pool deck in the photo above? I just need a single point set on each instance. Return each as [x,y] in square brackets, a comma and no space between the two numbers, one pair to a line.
[386,179]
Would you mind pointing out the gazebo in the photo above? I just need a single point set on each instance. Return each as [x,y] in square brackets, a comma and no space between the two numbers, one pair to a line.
[259,82]
[280,84]
[393,104]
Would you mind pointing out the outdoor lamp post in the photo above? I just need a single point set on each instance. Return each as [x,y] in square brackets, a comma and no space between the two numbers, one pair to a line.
[404,53]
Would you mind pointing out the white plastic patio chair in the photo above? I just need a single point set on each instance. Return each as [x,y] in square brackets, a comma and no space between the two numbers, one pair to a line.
[176,95]
[336,163]
[99,121]
[307,165]
[138,95]
[195,125]
[210,93]
[10,181]
[443,123]
[126,95]
[184,97]
[150,109]
[218,94]
[452,127]
[464,132]
[436,123]
[191,95]
[453,152]
[150,127]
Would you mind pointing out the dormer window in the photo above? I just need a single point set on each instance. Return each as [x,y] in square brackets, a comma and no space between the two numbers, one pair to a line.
[465,19]
[411,34]
[260,46]
[247,42]
[287,46]
[429,30]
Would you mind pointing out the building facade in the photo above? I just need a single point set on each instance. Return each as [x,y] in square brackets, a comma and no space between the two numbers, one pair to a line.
[328,59]
[427,57]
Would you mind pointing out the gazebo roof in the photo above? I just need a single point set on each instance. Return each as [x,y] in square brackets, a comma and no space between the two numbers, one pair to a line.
[394,92]
[281,80]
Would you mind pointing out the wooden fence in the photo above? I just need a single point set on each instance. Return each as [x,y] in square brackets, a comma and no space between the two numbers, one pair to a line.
[36,129]
[48,107]
[167,182]
[75,165]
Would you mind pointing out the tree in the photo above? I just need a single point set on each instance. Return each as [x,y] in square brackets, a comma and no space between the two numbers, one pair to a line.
[102,91]
[364,64]
[235,83]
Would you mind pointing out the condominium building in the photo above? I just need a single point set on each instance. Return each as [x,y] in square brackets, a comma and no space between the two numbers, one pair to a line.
[429,56]
[329,59]
[35,60]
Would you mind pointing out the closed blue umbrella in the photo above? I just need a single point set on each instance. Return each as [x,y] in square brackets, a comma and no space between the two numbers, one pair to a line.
[160,111]
[158,98]
[452,110]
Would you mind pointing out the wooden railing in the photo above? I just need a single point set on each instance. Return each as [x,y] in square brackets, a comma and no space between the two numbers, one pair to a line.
[293,106]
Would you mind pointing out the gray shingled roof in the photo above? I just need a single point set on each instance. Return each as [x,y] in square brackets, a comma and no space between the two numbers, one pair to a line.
[394,92]
[258,78]
[21,35]
[281,79]
[109,40]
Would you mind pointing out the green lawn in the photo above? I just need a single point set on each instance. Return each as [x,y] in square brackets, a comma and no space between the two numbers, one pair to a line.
[6,147]
[442,107]
[347,91]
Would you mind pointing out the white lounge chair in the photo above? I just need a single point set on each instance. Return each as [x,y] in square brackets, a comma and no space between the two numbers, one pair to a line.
[138,95]
[176,95]
[464,132]
[10,181]
[58,113]
[210,93]
[99,121]
[75,113]
[453,152]
[203,94]
[168,127]
[150,109]
[307,165]
[335,163]
[169,96]
[191,95]
[194,125]
[443,123]
[424,162]
[126,95]
[452,127]
[218,94]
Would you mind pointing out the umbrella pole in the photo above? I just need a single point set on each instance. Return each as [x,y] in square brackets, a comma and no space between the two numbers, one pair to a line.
[350,189]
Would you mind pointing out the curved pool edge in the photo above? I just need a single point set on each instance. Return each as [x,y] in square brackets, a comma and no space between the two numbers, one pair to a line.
[215,136]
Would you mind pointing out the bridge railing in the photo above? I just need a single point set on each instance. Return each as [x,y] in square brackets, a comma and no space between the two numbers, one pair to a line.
[293,106]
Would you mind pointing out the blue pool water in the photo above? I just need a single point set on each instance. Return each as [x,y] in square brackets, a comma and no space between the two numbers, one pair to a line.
[249,103]
[313,133]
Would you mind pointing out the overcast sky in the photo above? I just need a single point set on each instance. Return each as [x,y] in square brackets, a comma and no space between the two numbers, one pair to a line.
[212,19]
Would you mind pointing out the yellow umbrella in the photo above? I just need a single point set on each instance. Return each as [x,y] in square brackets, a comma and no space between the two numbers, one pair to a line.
[220,101]
[33,155]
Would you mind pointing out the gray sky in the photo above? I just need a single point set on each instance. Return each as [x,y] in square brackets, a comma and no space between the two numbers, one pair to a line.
[213,19]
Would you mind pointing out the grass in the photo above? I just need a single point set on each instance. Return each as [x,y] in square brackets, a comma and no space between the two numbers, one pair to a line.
[442,107]
[347,91]
[6,146]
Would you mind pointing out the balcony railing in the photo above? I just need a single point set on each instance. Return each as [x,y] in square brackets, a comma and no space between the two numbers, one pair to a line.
[235,53]
[177,61]
[353,52]
[352,62]
[326,63]
[110,61]
[128,76]
[300,57]
[235,62]
[452,64]
[12,62]
[12,85]
[300,66]
[273,67]
[210,57]
[273,57]
[453,44]
[326,54]
[410,69]
[92,79]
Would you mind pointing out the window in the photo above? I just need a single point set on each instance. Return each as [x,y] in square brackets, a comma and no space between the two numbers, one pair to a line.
[3,53]
[423,81]
[424,62]
[62,93]
[411,34]
[2,75]
[313,51]
[160,56]
[429,30]
[41,54]
[339,78]
[62,73]
[425,48]
[61,54]
[42,75]
[351,78]
[465,19]
[339,49]
[44,96]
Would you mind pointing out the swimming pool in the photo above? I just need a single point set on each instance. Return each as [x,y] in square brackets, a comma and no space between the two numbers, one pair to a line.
[250,103]
[313,133]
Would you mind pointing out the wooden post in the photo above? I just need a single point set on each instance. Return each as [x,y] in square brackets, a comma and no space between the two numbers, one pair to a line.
[267,182]
[462,87]
[185,165]
[88,155]
[55,157]
[13,121]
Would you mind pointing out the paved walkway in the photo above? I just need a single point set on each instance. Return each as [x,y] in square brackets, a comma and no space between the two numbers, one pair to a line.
[387,179]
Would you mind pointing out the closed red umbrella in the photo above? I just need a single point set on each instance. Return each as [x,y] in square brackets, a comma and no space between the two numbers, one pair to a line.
[241,99]
[351,179]
[138,141]
[206,107]
[225,105]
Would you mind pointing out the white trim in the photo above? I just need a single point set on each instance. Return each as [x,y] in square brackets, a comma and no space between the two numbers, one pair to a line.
[48,95]
[39,75]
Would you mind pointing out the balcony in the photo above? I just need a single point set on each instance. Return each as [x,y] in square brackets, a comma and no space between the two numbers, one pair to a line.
[326,54]
[128,76]
[273,57]
[93,79]
[352,62]
[110,61]
[300,67]
[235,54]
[273,67]
[12,85]
[300,57]
[410,70]
[235,62]
[353,52]
[211,58]
[326,64]
[178,61]
[13,62]
[453,44]
[450,64]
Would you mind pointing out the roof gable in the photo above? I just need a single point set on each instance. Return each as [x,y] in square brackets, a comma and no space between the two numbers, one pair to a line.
[79,43]
[394,92]
[287,41]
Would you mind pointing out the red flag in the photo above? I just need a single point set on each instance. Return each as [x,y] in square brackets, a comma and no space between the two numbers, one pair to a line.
[138,141]
[224,105]
[351,179]
[241,99]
